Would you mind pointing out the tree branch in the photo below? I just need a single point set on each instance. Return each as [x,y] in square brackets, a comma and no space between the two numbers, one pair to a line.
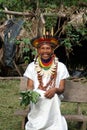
[30,14]
[27,14]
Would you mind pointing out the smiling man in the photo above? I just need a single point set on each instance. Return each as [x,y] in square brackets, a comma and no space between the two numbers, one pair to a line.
[46,75]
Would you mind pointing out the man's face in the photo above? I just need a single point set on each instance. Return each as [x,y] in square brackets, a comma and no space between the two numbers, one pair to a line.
[45,51]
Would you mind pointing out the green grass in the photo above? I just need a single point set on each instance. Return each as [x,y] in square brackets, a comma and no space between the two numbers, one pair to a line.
[9,102]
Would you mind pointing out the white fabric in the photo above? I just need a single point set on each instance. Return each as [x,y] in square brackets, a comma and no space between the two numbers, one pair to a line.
[45,114]
[31,73]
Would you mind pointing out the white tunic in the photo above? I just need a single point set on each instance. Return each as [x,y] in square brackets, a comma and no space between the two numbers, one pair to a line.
[45,114]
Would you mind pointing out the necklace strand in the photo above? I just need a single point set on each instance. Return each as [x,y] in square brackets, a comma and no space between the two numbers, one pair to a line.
[52,72]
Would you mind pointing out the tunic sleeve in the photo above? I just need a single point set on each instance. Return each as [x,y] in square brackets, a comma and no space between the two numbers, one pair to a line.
[29,72]
[62,71]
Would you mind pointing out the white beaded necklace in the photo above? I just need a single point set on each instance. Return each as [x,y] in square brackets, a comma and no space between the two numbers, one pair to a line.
[50,71]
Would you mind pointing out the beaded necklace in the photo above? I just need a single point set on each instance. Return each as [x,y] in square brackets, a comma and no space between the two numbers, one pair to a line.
[51,71]
[45,64]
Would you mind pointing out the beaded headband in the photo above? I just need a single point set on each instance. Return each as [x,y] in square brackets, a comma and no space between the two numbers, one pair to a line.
[51,41]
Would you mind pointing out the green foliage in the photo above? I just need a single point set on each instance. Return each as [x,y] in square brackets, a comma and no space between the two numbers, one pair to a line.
[83,32]
[50,22]
[23,5]
[29,96]
[74,36]
[67,43]
[49,3]
[28,51]
[34,52]
[17,5]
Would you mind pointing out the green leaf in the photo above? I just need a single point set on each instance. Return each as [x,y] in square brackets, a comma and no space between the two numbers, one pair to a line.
[29,96]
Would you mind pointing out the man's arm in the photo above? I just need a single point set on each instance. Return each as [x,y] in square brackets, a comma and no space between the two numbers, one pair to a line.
[30,85]
[61,88]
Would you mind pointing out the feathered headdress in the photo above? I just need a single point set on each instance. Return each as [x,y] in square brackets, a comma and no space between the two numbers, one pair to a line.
[45,38]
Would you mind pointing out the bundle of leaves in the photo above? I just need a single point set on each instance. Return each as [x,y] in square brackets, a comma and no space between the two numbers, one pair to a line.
[29,96]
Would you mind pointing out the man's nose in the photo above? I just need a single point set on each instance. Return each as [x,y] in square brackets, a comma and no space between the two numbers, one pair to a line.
[45,50]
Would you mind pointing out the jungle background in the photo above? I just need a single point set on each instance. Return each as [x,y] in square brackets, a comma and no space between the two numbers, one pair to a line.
[20,21]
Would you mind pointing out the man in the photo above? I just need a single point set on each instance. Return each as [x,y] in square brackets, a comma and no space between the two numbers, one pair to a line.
[46,75]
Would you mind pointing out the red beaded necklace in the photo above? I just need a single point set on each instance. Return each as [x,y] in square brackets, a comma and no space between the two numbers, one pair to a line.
[46,64]
[51,82]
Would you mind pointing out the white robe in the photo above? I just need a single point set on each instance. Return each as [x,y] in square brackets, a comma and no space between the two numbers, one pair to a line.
[45,114]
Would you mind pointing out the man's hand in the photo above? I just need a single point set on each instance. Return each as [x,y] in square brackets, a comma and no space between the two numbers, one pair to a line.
[50,93]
